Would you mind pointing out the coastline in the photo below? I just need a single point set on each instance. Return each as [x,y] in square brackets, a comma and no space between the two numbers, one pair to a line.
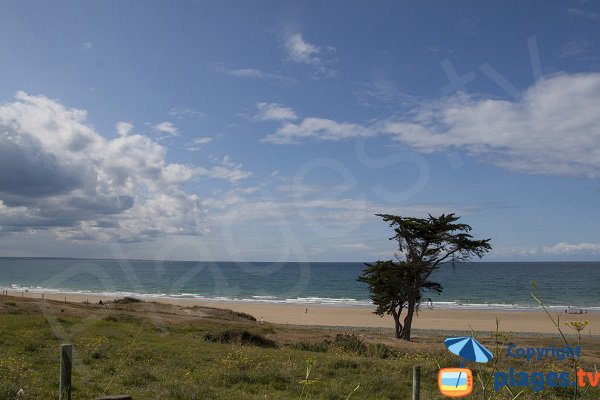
[446,319]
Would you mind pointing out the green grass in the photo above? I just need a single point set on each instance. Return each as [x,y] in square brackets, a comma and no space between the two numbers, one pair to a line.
[121,352]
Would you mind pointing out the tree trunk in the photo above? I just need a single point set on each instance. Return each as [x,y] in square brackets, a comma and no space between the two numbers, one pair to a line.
[405,335]
[397,325]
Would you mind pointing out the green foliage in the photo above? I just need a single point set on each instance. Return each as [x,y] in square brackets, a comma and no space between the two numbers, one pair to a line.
[424,243]
[430,241]
[116,357]
[317,347]
[346,344]
[8,392]
[350,344]
[240,337]
[390,284]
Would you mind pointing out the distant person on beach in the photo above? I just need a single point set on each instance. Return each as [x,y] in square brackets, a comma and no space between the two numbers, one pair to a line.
[306,311]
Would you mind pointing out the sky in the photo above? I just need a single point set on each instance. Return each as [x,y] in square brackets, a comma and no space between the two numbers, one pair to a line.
[275,130]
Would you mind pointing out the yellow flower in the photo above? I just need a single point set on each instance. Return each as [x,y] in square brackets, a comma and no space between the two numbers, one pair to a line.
[577,325]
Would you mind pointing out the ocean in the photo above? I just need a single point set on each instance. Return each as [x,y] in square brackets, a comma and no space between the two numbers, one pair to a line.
[481,285]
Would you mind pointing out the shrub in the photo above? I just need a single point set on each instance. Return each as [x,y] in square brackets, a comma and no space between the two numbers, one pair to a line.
[240,337]
[350,344]
[127,300]
[380,350]
[317,347]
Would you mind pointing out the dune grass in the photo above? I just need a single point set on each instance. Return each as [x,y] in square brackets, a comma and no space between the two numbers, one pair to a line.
[123,352]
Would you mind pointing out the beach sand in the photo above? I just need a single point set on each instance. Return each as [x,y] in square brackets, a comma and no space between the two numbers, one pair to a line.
[533,321]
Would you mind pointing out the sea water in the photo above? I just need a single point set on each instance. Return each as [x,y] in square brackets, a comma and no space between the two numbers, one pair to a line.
[466,285]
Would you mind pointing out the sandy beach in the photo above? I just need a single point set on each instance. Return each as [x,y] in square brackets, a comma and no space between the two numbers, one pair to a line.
[323,315]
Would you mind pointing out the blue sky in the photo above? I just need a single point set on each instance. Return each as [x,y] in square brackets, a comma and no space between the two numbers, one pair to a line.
[275,130]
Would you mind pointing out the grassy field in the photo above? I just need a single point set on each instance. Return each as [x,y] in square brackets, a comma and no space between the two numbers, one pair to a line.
[155,351]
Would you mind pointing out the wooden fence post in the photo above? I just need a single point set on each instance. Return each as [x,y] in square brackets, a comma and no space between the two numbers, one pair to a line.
[416,392]
[66,364]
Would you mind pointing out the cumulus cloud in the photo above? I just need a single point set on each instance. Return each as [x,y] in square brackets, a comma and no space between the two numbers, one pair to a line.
[124,128]
[166,127]
[274,112]
[552,129]
[567,248]
[58,174]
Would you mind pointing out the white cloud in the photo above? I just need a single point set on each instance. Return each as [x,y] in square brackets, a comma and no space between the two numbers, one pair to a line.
[253,73]
[356,246]
[320,129]
[553,129]
[567,248]
[203,140]
[166,127]
[247,72]
[184,112]
[197,143]
[578,12]
[57,174]
[274,112]
[322,218]
[124,128]
[300,51]
[226,170]
[383,92]
[258,74]
[574,48]
[87,45]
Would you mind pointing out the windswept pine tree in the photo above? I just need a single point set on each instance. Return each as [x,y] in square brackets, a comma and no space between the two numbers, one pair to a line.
[423,245]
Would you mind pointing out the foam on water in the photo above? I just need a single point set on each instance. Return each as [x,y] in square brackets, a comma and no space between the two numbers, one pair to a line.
[468,286]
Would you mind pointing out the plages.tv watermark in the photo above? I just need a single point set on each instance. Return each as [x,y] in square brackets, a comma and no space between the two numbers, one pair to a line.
[538,380]
[458,382]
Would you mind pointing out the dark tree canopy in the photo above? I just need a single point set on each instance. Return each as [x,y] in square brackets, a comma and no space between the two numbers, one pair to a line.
[423,244]
[390,284]
[432,240]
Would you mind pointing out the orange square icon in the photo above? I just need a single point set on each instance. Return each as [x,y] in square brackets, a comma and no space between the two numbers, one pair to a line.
[455,382]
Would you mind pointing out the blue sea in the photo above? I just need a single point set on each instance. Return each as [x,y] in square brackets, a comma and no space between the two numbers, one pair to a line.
[468,285]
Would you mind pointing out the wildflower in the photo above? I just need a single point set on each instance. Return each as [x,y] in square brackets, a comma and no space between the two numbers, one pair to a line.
[578,325]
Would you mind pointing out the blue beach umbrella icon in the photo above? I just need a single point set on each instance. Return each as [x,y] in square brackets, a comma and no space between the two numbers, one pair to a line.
[468,348]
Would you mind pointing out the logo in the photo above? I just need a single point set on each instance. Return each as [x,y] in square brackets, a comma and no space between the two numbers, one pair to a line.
[458,382]
[455,382]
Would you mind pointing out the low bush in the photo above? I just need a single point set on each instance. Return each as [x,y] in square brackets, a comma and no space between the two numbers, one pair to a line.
[239,336]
